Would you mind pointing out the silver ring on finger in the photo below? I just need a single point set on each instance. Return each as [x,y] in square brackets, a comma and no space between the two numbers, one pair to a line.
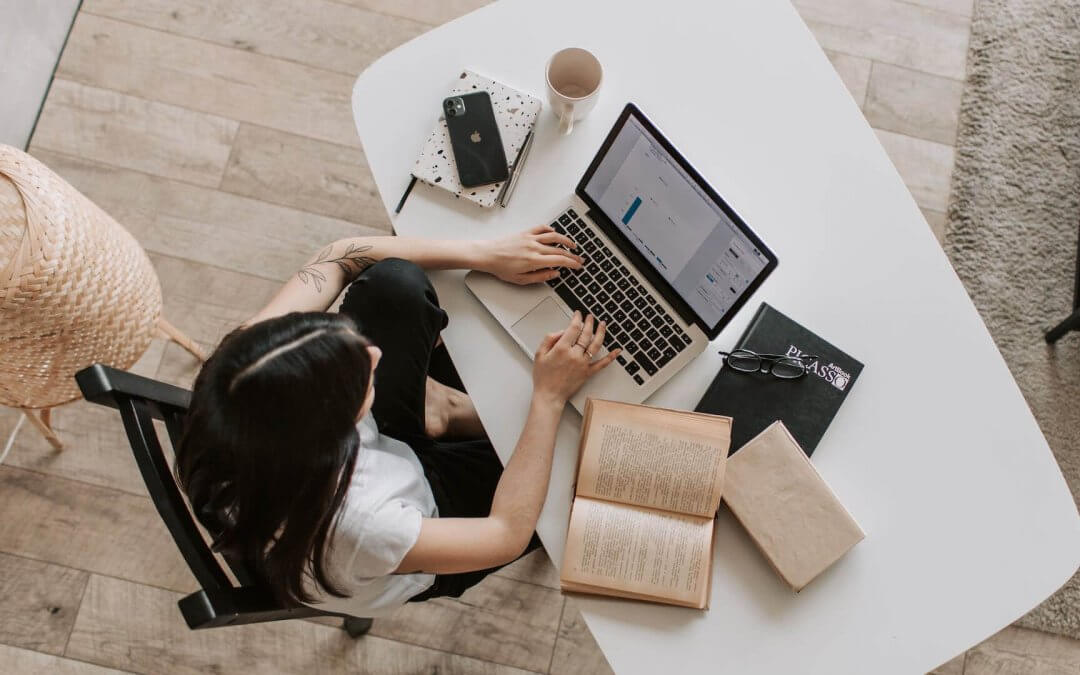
[588,353]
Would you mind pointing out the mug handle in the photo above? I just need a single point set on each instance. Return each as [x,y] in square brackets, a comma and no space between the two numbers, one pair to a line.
[566,120]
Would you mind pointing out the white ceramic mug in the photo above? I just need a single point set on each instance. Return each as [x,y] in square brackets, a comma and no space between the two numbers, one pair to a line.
[574,76]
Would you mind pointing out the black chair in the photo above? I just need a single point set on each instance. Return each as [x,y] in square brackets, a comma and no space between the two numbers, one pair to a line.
[140,401]
[1073,321]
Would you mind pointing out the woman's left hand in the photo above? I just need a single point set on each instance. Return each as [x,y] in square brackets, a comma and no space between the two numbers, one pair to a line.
[528,257]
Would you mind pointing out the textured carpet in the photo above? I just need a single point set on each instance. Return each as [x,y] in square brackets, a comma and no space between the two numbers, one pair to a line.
[1013,217]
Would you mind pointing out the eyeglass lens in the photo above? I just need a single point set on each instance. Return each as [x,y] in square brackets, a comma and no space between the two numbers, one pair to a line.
[748,362]
[788,369]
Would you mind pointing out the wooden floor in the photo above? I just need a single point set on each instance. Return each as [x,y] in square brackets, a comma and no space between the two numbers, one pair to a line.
[219,132]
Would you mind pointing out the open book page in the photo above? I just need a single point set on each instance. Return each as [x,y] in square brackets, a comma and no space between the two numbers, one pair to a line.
[665,459]
[640,552]
[572,587]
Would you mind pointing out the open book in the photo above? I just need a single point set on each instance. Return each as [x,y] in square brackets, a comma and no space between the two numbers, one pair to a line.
[648,487]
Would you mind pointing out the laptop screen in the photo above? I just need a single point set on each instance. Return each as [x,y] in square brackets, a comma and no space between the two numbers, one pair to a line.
[682,231]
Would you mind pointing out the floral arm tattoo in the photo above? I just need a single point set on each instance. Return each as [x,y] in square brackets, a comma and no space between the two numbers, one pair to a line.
[352,262]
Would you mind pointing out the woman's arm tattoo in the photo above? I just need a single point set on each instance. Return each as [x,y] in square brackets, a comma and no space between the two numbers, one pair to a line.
[352,262]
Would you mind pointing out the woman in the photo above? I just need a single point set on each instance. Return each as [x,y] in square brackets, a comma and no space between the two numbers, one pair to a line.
[354,497]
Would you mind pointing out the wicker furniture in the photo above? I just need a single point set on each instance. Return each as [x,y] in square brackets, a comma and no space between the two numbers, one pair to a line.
[75,289]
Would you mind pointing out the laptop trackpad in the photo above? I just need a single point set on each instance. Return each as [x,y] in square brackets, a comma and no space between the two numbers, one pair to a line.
[547,317]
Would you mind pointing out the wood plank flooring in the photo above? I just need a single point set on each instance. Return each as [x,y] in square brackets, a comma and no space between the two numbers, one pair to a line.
[134,133]
[40,603]
[276,167]
[220,133]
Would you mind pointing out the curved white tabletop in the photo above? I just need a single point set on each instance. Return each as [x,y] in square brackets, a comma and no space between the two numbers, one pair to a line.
[969,522]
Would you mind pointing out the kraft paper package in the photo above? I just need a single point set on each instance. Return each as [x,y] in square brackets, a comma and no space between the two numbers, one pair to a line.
[787,508]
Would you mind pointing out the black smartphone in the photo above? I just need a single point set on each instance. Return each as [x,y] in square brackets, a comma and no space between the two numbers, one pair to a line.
[475,139]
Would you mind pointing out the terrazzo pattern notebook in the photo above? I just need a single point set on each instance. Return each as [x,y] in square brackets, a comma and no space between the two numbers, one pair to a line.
[516,114]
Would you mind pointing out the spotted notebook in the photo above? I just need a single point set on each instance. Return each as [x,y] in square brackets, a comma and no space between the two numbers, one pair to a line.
[516,114]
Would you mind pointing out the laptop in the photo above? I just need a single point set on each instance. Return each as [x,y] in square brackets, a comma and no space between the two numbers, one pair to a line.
[667,264]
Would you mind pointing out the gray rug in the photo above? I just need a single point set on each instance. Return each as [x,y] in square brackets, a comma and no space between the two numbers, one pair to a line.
[1013,217]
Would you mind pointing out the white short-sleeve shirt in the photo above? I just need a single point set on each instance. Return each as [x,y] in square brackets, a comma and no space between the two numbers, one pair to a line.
[379,522]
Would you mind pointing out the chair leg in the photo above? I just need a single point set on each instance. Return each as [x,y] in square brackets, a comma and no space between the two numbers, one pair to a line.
[174,334]
[1070,324]
[43,424]
[355,626]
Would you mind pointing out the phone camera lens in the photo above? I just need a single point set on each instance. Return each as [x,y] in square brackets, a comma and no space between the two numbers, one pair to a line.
[455,107]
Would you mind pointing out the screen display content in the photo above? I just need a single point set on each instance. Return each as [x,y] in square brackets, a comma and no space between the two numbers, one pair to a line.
[683,233]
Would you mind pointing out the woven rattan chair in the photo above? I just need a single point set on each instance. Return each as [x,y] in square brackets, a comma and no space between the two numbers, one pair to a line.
[75,289]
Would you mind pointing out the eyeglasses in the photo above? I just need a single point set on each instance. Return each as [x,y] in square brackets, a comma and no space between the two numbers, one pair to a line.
[780,365]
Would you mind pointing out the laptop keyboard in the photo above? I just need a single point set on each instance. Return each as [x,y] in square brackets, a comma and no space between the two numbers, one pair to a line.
[605,288]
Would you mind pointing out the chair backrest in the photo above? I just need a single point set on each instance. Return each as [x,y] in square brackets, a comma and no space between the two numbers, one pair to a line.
[140,401]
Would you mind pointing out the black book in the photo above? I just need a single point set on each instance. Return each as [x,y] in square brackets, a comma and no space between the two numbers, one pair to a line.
[755,400]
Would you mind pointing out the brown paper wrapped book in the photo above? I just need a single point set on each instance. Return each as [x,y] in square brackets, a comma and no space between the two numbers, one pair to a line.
[648,487]
[788,509]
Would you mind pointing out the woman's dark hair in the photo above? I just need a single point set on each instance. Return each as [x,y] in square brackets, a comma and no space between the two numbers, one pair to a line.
[270,441]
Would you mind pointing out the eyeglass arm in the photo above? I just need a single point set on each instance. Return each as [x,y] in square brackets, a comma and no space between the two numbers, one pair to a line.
[804,357]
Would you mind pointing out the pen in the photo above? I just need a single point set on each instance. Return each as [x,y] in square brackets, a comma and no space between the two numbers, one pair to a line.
[405,196]
[516,171]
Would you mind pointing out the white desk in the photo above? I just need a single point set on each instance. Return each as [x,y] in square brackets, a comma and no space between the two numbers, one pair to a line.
[969,523]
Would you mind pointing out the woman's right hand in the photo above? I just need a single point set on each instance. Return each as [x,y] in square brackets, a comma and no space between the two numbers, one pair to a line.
[566,359]
[527,257]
